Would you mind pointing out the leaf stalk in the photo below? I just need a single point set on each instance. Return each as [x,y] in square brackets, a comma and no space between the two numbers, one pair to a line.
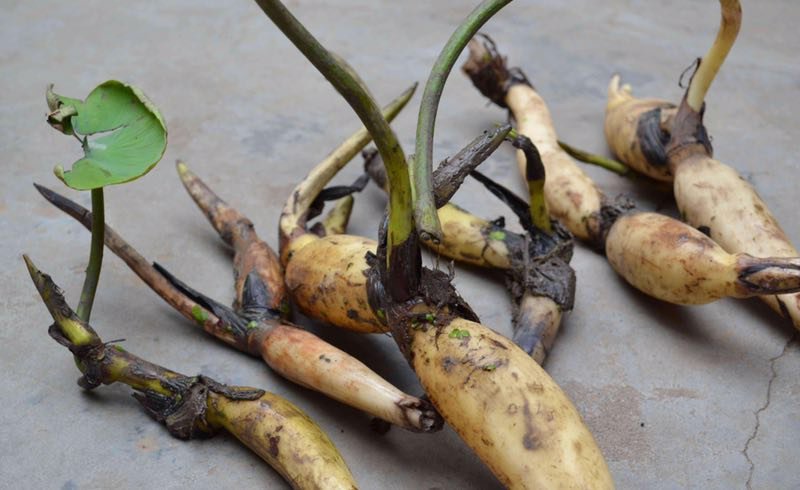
[730,22]
[95,256]
[344,80]
[426,216]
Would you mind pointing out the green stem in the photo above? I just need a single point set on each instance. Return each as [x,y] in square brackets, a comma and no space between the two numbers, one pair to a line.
[293,217]
[95,256]
[535,177]
[609,164]
[729,26]
[538,206]
[341,76]
[427,219]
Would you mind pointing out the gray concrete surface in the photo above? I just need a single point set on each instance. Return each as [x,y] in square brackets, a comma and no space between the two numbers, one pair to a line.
[677,397]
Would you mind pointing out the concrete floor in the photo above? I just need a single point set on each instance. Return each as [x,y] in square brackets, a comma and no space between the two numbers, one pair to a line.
[677,397]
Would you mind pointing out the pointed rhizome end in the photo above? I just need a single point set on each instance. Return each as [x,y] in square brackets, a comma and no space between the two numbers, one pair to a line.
[260,290]
[229,223]
[68,330]
[617,92]
[488,71]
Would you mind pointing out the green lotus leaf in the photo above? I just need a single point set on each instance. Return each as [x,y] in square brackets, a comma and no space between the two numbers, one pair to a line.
[129,135]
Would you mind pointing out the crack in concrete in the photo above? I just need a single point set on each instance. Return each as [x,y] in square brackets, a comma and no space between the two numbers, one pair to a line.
[772,361]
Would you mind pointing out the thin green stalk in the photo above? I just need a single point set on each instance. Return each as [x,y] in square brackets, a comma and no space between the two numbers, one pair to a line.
[427,219]
[729,26]
[609,164]
[95,256]
[341,76]
[538,206]
[535,177]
